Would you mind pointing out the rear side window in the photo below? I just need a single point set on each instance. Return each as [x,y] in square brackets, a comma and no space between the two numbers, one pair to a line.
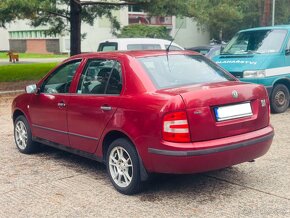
[143,47]
[179,70]
[101,77]
[108,46]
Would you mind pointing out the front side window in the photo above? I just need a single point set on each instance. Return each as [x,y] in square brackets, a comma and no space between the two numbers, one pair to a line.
[60,80]
[180,70]
[101,77]
[259,41]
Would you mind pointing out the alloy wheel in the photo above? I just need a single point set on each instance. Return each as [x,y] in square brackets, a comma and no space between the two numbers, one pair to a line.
[21,135]
[120,166]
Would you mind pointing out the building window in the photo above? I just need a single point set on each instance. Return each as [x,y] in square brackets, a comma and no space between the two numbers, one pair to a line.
[134,8]
[30,34]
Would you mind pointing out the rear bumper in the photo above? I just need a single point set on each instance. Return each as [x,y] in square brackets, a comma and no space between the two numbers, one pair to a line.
[211,155]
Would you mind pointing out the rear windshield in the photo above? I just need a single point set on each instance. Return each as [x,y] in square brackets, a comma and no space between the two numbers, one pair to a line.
[180,70]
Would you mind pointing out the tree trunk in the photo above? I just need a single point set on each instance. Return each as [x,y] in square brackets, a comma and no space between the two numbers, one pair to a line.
[75,27]
[267,12]
[260,12]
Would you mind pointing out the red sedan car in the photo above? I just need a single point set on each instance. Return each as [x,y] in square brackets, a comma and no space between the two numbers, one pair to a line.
[143,112]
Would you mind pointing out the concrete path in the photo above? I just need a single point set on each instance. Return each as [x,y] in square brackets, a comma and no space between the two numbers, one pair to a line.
[31,60]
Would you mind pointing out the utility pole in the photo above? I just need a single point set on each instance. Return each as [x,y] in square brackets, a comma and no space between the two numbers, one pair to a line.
[273,12]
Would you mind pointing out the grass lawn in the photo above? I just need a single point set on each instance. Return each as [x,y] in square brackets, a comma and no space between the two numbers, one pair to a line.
[21,72]
[3,55]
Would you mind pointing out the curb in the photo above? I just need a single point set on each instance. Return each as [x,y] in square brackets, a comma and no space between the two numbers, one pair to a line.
[11,92]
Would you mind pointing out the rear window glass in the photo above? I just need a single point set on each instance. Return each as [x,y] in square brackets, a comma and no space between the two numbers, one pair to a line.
[173,48]
[112,46]
[179,70]
[143,47]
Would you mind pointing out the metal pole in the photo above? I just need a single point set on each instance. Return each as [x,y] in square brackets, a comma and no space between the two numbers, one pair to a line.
[273,12]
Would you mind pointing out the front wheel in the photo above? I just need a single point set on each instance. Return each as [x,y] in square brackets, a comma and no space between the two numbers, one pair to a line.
[123,166]
[22,136]
[279,98]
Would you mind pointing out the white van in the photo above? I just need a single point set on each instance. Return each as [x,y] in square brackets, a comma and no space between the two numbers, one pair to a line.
[124,44]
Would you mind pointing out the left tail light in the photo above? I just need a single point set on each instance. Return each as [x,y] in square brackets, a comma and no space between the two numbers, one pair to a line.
[175,127]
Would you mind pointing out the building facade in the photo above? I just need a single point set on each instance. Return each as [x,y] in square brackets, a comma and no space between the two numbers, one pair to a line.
[21,37]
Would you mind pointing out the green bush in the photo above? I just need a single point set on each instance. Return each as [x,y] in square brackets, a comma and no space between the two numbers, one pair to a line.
[144,31]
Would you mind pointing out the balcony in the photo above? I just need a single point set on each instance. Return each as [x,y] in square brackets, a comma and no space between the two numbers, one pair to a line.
[141,18]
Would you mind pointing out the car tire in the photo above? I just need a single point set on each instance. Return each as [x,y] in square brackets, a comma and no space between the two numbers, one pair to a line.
[23,136]
[123,166]
[279,98]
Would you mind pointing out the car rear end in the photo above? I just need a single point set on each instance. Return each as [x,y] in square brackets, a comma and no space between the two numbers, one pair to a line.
[219,122]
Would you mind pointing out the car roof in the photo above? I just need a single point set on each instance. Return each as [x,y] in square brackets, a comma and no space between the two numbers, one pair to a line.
[278,27]
[136,54]
[137,40]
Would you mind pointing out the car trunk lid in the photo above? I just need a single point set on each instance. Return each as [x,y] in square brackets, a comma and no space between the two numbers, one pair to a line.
[224,109]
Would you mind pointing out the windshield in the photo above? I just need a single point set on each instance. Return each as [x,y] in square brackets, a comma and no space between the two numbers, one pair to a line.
[259,41]
[180,70]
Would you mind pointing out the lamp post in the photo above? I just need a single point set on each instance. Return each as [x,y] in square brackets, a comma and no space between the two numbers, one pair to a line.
[273,12]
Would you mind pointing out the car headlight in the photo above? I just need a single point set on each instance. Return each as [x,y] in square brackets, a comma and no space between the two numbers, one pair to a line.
[254,73]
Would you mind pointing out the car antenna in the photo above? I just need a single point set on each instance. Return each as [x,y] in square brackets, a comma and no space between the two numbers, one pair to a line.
[167,49]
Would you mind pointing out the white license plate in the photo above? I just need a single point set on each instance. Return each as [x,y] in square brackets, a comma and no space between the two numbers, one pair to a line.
[233,111]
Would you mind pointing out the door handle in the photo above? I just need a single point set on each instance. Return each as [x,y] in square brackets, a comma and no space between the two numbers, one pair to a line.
[106,108]
[61,104]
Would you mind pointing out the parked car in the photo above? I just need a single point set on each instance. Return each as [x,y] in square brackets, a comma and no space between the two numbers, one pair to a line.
[208,51]
[124,44]
[261,55]
[143,112]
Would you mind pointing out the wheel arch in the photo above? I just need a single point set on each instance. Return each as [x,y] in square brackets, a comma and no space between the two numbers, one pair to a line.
[18,113]
[284,81]
[112,136]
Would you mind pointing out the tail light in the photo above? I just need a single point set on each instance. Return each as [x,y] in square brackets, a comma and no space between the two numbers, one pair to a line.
[175,127]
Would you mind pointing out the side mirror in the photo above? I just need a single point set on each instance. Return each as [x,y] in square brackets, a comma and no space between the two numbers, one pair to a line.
[287,51]
[31,89]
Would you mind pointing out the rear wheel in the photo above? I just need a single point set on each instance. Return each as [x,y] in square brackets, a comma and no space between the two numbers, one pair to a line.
[123,166]
[279,98]
[22,136]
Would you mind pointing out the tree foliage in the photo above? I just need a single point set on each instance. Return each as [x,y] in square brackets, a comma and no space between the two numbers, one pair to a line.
[220,16]
[228,17]
[282,12]
[67,15]
[141,30]
[225,16]
[54,14]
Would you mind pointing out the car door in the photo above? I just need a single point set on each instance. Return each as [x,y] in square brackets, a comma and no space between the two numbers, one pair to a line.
[48,108]
[94,103]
